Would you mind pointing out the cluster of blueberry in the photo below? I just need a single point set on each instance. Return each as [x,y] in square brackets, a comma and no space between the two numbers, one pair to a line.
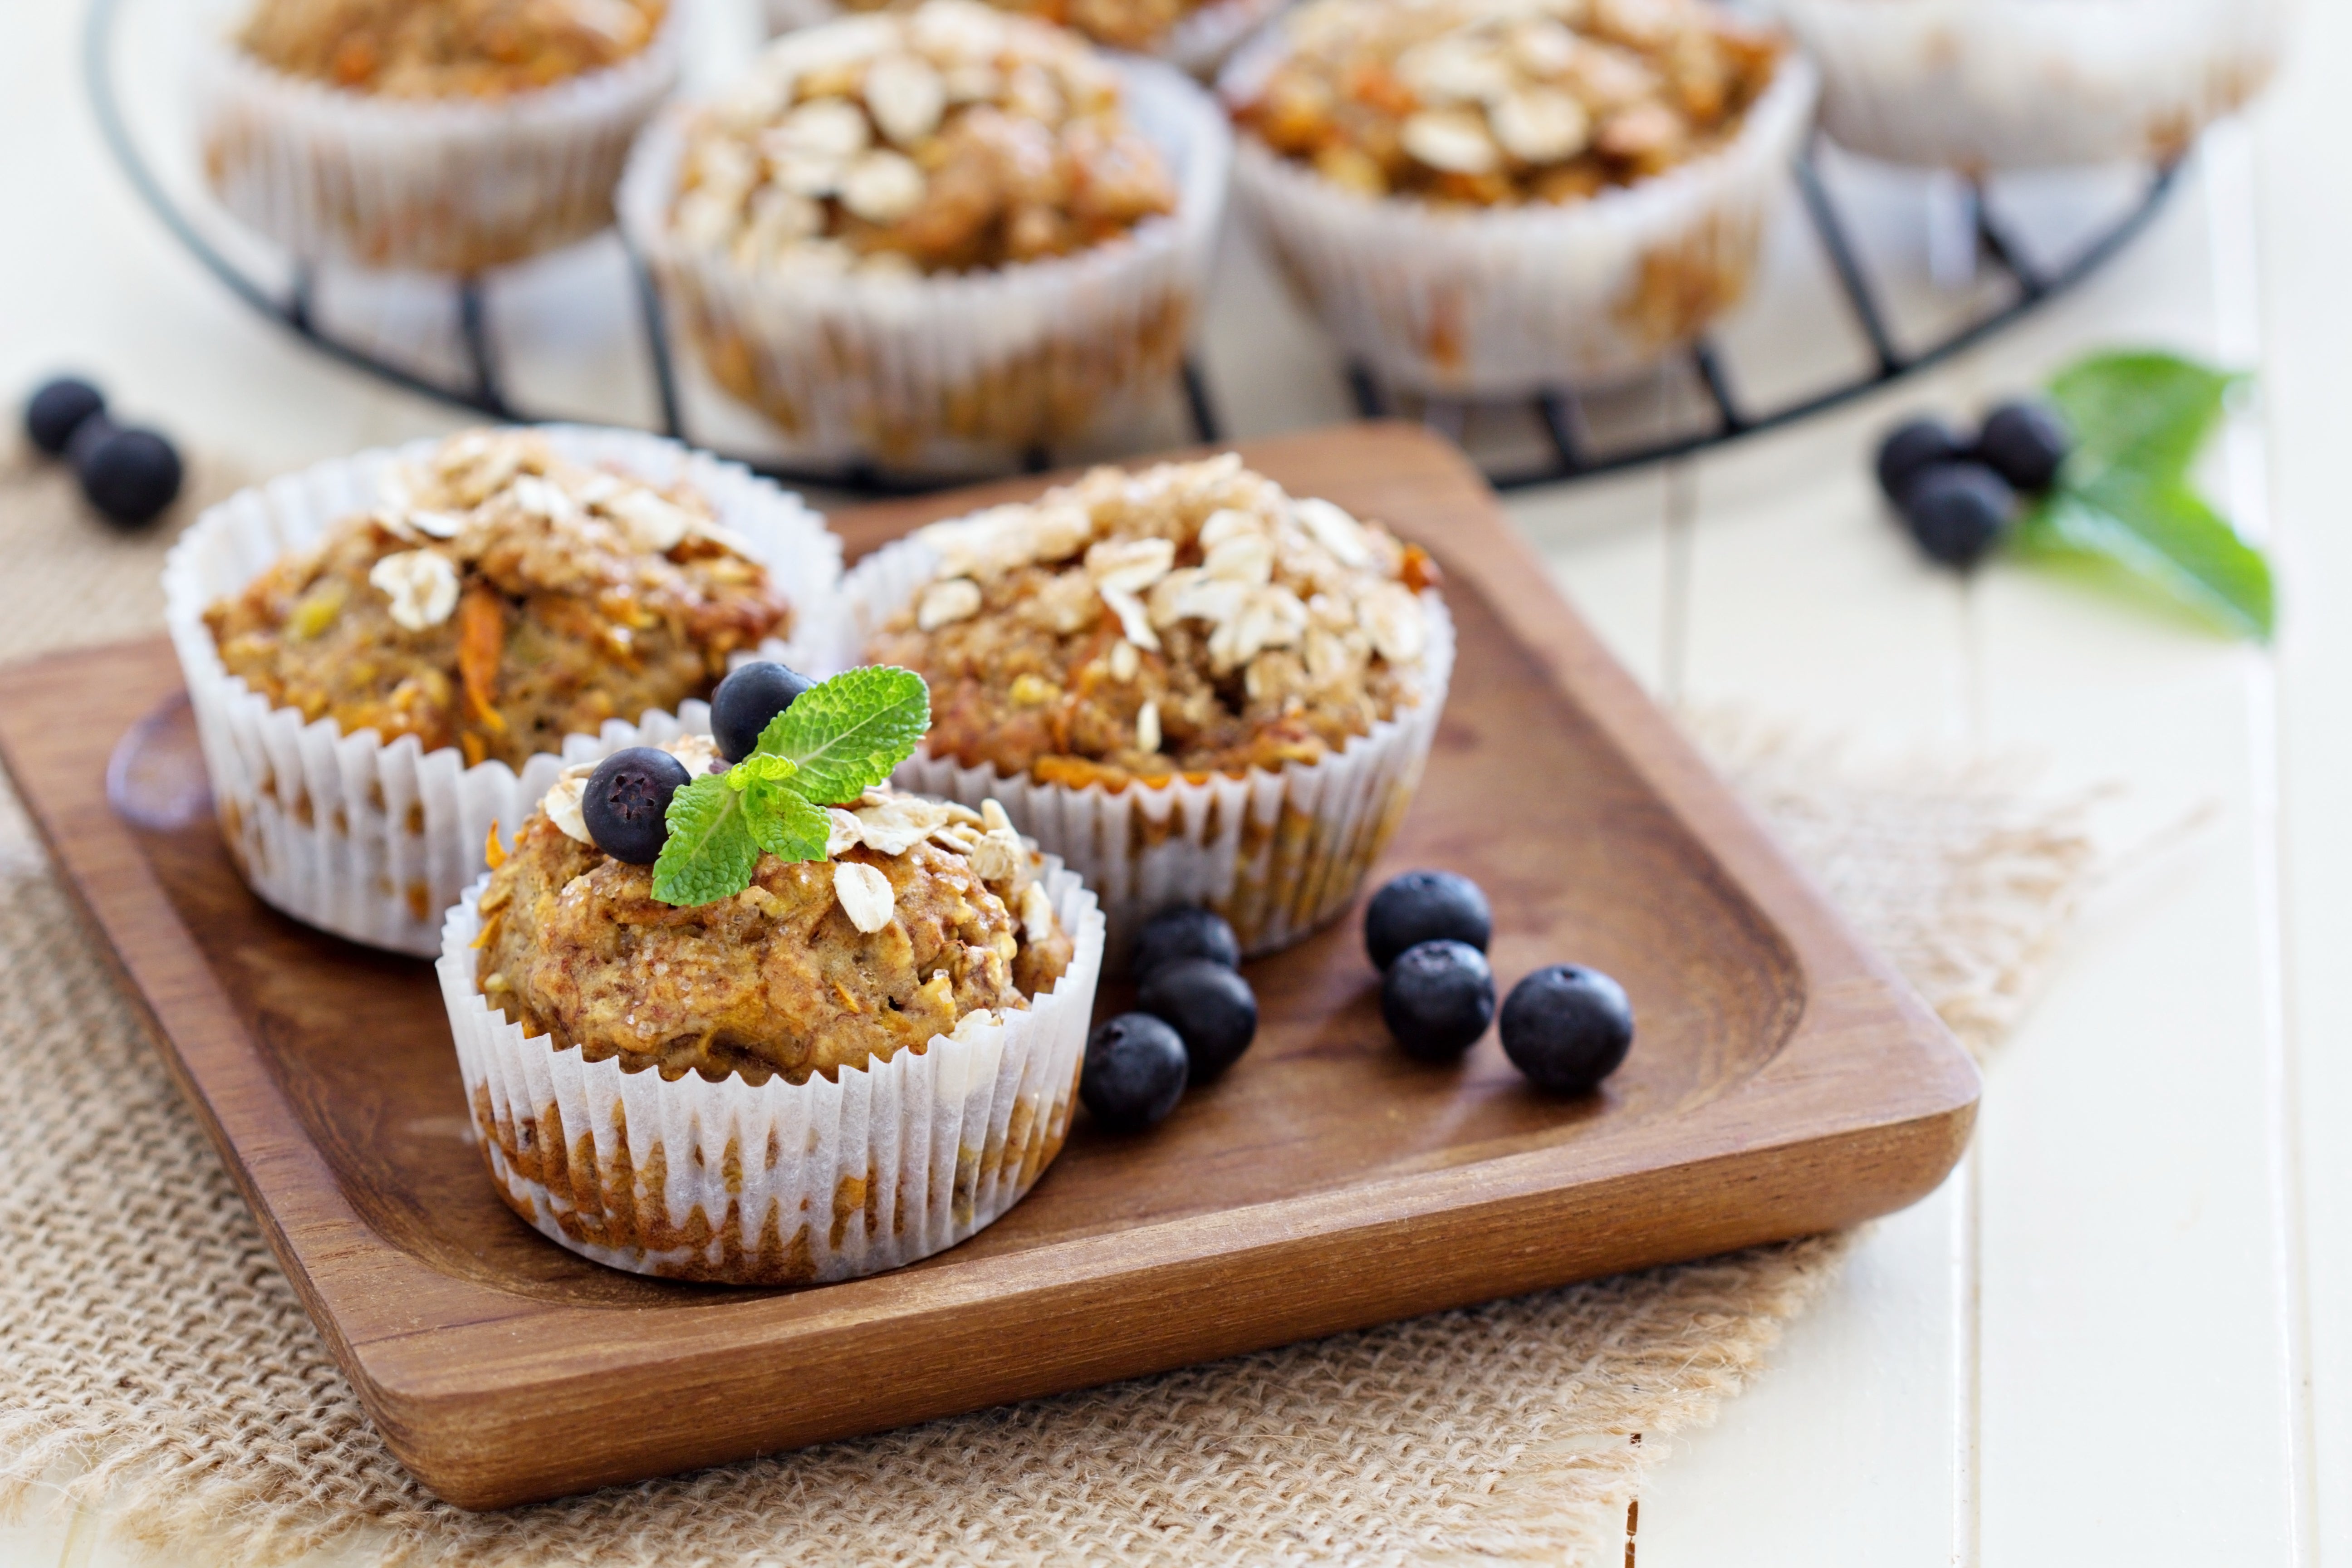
[1565,1028]
[1194,1016]
[129,474]
[1958,492]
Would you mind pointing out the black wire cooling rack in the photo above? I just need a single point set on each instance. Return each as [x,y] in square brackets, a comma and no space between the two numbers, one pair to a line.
[1570,452]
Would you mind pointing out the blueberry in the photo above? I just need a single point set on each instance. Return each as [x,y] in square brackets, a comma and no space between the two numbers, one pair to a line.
[1184,931]
[1437,998]
[130,476]
[1212,1007]
[1911,446]
[58,409]
[2024,443]
[626,804]
[1957,511]
[1425,906]
[1135,1072]
[1567,1028]
[747,701]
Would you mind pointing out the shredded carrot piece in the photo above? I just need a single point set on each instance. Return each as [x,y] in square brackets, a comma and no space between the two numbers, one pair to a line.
[481,639]
[494,852]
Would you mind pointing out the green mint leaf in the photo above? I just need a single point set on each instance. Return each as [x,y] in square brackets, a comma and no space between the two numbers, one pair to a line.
[758,767]
[848,734]
[2161,535]
[2145,411]
[710,852]
[785,823]
[2124,501]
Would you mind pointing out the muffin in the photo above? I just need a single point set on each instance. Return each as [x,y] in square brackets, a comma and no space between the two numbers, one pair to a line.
[1488,197]
[1192,34]
[1190,686]
[846,1063]
[1980,85]
[391,653]
[939,238]
[435,135]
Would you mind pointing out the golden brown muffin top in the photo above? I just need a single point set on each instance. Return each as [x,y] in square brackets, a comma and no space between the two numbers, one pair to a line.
[926,918]
[499,598]
[950,139]
[1192,618]
[1494,102]
[448,48]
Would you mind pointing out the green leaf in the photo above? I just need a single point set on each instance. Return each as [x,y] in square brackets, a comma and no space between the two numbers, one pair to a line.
[2145,411]
[785,823]
[847,734]
[2163,534]
[2122,499]
[710,852]
[760,767]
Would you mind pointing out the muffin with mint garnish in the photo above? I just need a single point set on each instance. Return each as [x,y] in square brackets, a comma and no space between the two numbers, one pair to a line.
[735,1011]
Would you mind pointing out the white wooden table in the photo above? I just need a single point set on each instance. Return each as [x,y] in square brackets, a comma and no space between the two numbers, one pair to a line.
[2122,1331]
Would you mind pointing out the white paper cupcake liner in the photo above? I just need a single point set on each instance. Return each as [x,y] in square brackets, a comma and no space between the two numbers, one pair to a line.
[1506,301]
[953,372]
[2009,84]
[374,842]
[783,1184]
[1278,852]
[1197,43]
[439,186]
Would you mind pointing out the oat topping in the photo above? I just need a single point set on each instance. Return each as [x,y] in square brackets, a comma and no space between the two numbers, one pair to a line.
[942,924]
[948,139]
[1490,102]
[1192,617]
[498,598]
[448,48]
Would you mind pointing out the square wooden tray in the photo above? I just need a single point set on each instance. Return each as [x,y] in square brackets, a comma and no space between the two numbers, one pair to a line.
[1783,1081]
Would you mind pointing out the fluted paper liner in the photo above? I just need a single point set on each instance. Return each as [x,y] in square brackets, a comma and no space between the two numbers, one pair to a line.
[452,184]
[1505,302]
[953,371]
[374,842]
[783,1184]
[2009,84]
[1279,853]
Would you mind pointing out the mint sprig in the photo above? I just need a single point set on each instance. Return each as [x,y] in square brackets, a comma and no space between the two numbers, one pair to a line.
[2124,502]
[839,739]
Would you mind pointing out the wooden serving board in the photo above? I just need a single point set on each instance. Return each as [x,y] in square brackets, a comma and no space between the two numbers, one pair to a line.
[1782,1082]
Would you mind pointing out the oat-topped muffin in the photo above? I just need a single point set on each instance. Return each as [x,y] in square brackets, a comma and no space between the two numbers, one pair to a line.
[1489,103]
[448,48]
[498,599]
[1189,619]
[924,915]
[813,1028]
[948,140]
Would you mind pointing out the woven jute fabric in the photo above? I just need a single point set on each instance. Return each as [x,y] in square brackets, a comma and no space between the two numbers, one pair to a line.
[158,1367]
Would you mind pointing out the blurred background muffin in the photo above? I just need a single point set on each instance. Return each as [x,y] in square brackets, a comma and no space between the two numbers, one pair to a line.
[436,135]
[1980,85]
[946,234]
[1195,35]
[1488,197]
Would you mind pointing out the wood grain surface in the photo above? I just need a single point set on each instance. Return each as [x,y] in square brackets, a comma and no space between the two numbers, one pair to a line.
[1782,1082]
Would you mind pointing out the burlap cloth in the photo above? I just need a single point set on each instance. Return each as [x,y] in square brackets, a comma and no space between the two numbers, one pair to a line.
[155,1358]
